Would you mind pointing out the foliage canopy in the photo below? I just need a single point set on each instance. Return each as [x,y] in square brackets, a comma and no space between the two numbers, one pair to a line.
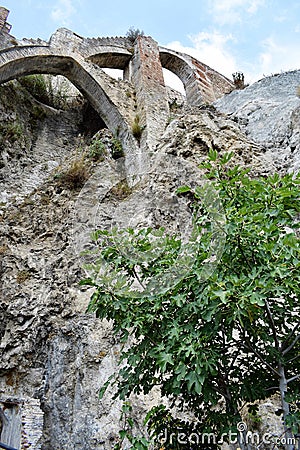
[133,33]
[211,345]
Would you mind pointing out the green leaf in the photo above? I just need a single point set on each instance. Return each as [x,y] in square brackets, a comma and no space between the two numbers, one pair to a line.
[123,434]
[165,359]
[183,189]
[221,295]
[104,388]
[256,299]
[194,382]
[212,155]
[226,158]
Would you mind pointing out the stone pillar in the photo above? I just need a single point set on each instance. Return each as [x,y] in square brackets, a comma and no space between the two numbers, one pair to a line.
[11,423]
[22,423]
[151,94]
[210,83]
[127,73]
[4,26]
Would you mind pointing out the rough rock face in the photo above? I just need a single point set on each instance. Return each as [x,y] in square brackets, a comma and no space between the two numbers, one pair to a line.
[54,357]
[28,152]
[269,113]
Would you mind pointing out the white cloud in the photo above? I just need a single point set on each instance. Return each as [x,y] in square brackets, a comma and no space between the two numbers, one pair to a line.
[62,11]
[214,50]
[277,57]
[254,5]
[231,11]
[211,49]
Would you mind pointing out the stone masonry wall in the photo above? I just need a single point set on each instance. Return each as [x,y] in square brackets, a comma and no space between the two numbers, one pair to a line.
[4,26]
[80,59]
[152,100]
[202,83]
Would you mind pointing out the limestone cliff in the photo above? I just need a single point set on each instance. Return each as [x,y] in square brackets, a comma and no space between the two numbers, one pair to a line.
[269,114]
[55,357]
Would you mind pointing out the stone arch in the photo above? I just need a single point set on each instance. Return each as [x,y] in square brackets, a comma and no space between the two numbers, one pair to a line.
[201,83]
[111,59]
[21,61]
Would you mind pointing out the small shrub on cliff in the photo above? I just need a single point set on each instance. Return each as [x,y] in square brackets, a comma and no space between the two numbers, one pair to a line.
[38,113]
[3,249]
[10,131]
[37,86]
[76,175]
[117,148]
[97,150]
[133,33]
[42,88]
[239,80]
[121,190]
[22,276]
[136,128]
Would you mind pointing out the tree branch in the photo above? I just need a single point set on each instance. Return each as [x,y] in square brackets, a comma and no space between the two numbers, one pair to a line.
[293,359]
[285,343]
[293,378]
[249,347]
[137,277]
[292,345]
[270,316]
[234,358]
[264,362]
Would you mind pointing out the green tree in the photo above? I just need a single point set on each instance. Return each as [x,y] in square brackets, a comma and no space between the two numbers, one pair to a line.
[215,344]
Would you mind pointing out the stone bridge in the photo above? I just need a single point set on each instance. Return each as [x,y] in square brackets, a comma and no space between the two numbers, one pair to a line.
[81,60]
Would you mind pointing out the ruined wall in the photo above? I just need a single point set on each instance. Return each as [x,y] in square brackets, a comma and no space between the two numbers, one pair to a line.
[151,94]
[4,26]
[76,57]
[202,84]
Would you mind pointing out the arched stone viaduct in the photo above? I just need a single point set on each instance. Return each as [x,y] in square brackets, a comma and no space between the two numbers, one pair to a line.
[81,59]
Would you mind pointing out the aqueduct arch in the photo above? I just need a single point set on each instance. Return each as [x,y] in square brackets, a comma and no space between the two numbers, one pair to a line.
[21,61]
[80,60]
[201,82]
[111,59]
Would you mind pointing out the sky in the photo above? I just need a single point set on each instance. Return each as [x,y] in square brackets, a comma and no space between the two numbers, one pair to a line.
[256,37]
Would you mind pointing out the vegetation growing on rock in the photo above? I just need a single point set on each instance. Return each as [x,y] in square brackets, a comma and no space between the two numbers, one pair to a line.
[216,343]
